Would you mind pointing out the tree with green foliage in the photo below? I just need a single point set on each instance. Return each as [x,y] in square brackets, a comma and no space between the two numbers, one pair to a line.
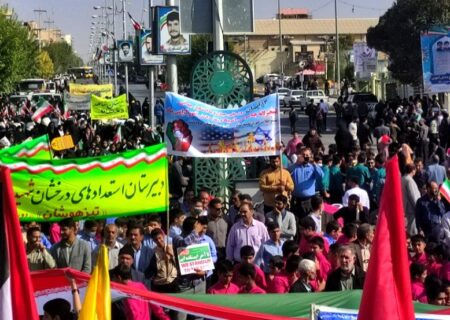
[63,56]
[18,53]
[199,48]
[45,65]
[346,69]
[398,35]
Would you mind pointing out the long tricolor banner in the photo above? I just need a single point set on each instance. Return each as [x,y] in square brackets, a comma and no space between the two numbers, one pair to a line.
[37,148]
[130,183]
[196,129]
[51,284]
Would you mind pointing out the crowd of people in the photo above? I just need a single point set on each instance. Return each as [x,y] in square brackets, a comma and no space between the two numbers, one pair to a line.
[313,232]
[91,138]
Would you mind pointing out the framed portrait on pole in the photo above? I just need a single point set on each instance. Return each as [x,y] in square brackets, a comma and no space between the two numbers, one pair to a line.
[169,38]
[125,50]
[146,56]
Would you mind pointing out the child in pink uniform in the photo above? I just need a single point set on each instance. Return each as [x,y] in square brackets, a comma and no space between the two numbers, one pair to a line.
[277,281]
[418,274]
[247,257]
[224,285]
[247,275]
[419,245]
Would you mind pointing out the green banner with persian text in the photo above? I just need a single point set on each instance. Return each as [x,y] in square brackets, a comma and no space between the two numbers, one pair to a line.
[107,109]
[130,183]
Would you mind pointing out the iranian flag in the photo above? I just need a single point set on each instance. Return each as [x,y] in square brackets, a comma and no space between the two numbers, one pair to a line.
[43,107]
[16,290]
[445,190]
[136,25]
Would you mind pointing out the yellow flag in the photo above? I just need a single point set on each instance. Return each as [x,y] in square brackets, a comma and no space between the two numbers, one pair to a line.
[97,301]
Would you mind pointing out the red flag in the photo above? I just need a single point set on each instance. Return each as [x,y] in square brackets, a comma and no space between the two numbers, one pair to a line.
[16,290]
[387,289]
[136,25]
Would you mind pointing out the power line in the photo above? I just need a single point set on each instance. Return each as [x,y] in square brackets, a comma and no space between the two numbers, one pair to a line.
[321,7]
[353,5]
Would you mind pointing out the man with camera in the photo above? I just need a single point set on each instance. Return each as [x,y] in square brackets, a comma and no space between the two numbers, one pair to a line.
[304,174]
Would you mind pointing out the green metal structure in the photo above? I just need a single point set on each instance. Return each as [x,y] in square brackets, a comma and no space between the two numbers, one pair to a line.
[222,79]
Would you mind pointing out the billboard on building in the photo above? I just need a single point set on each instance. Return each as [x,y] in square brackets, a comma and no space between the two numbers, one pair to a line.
[365,60]
[436,59]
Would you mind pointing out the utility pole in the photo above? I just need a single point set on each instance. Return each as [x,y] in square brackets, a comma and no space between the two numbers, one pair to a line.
[338,66]
[217,8]
[172,70]
[151,76]
[281,43]
[39,12]
[124,37]
[114,47]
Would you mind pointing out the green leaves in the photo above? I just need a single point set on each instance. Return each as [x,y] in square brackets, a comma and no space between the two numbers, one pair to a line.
[45,65]
[18,53]
[398,34]
[62,56]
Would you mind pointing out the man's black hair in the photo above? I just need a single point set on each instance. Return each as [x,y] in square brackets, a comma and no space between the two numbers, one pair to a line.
[247,251]
[58,307]
[173,16]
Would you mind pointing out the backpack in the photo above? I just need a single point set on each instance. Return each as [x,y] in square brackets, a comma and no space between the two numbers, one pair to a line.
[319,114]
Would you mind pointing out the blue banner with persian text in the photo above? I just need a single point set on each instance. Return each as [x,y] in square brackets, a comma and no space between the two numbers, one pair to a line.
[196,129]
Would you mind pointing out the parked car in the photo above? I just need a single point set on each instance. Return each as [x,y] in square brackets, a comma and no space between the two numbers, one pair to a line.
[362,104]
[282,92]
[293,98]
[315,95]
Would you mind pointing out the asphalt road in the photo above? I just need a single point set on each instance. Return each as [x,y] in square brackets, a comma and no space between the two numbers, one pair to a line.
[140,91]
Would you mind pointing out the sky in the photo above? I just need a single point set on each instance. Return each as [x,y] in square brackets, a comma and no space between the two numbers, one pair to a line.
[74,16]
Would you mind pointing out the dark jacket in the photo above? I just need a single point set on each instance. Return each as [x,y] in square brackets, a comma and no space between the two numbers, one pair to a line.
[334,280]
[299,286]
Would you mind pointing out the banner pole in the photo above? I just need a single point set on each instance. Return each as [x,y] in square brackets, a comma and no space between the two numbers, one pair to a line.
[167,197]
[49,146]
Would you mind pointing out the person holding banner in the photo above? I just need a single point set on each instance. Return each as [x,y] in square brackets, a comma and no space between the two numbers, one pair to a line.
[273,181]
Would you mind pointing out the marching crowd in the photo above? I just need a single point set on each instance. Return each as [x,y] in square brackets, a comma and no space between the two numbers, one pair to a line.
[312,232]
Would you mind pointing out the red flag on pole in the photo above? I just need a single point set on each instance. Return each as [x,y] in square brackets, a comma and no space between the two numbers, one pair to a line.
[387,289]
[136,25]
[16,290]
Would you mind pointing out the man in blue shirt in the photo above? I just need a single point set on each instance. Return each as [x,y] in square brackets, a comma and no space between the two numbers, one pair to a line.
[89,234]
[304,175]
[429,212]
[270,248]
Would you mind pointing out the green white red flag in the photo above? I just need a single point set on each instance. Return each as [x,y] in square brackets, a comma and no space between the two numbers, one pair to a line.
[43,108]
[445,190]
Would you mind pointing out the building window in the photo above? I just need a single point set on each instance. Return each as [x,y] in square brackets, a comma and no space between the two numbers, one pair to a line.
[304,48]
[323,48]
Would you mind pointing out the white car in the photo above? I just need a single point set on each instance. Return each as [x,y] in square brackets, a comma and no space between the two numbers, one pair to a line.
[282,92]
[293,99]
[315,95]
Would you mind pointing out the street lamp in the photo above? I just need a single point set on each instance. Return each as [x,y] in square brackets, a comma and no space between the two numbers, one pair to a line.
[281,43]
[338,78]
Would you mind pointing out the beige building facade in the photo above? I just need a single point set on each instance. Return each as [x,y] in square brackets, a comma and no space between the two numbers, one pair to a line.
[301,39]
